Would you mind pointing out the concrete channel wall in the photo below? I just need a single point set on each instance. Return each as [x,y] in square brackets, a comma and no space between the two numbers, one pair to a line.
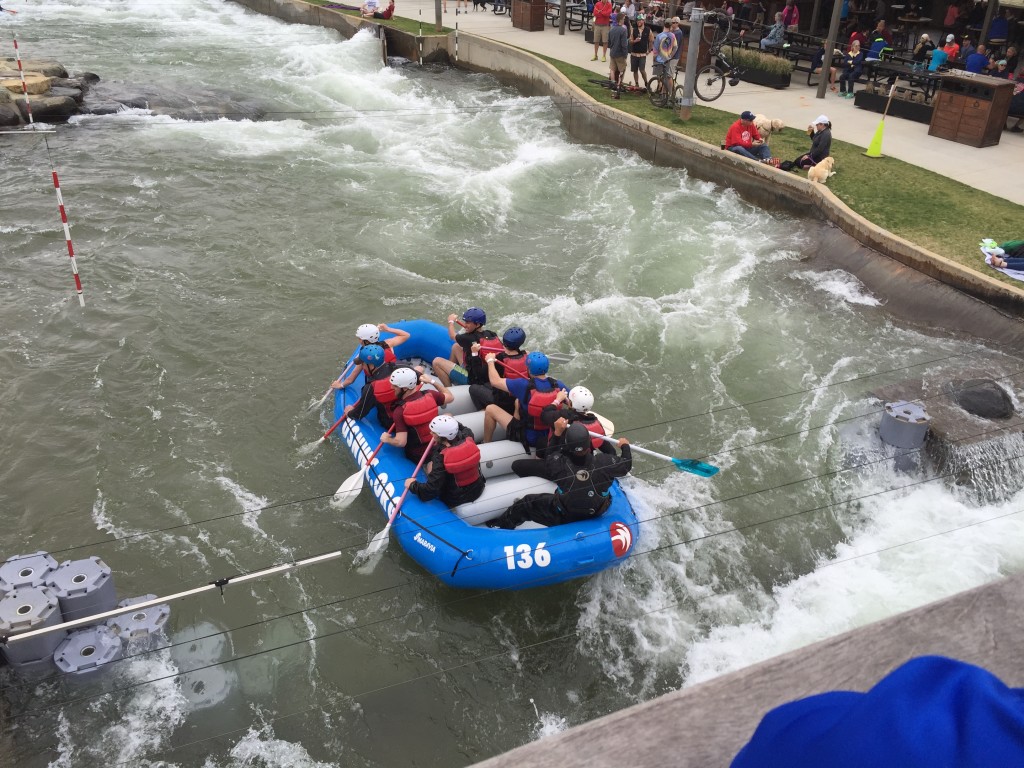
[592,122]
[706,725]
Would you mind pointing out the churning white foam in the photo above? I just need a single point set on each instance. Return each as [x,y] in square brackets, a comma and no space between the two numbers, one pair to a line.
[876,574]
[841,285]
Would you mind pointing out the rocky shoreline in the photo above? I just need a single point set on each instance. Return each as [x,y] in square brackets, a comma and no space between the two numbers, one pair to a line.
[56,96]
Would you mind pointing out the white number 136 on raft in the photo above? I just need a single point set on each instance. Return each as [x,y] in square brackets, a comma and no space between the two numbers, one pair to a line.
[528,557]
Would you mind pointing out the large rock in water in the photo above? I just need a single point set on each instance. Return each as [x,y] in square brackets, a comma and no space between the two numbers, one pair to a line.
[49,109]
[48,67]
[981,397]
[35,83]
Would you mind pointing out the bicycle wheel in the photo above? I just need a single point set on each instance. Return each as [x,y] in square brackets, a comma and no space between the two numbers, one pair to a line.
[656,91]
[716,28]
[710,83]
[677,98]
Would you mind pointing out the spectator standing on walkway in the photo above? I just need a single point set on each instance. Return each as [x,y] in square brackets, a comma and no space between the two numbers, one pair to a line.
[664,51]
[639,49]
[791,16]
[744,139]
[602,23]
[776,35]
[629,10]
[677,31]
[618,43]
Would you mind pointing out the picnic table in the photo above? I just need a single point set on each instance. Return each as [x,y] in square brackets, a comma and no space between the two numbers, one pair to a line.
[577,16]
[920,78]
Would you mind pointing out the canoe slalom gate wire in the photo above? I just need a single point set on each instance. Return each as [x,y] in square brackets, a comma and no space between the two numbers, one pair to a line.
[53,171]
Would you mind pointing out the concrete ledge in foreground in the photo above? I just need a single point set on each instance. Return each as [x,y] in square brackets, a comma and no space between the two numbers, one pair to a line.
[706,725]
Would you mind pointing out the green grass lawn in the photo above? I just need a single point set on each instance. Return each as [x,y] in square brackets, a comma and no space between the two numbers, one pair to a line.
[935,211]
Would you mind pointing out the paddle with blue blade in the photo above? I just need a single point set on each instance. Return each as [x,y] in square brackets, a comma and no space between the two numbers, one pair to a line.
[692,466]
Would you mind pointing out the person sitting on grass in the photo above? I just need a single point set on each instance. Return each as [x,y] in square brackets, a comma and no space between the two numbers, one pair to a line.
[1009,255]
[820,132]
[744,139]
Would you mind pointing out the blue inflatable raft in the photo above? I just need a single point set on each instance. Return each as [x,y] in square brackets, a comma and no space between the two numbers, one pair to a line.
[454,544]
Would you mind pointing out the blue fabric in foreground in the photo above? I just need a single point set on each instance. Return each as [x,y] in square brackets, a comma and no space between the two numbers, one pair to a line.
[932,712]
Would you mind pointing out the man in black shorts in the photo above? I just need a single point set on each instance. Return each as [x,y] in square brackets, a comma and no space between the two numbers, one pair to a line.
[639,49]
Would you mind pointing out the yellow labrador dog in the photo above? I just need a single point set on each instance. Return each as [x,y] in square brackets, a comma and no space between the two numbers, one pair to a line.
[766,127]
[819,173]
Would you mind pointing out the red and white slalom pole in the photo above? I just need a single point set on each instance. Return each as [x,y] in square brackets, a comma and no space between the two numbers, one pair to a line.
[24,85]
[67,237]
[56,181]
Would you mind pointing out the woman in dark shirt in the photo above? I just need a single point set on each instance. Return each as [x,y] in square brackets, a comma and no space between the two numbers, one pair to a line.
[821,143]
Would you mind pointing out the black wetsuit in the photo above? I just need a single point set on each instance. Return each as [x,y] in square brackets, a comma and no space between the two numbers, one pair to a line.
[583,487]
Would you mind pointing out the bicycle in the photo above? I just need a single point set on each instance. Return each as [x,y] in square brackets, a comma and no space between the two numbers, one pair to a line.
[660,86]
[711,79]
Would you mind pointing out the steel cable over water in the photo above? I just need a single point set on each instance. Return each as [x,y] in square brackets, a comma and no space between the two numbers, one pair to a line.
[665,467]
[480,595]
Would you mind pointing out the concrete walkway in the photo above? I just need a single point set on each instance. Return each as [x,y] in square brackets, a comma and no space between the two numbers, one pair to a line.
[998,170]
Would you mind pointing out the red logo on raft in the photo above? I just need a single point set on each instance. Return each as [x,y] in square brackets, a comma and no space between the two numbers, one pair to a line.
[622,538]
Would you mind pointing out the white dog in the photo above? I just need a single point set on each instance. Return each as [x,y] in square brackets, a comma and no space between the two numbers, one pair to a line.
[819,173]
[767,127]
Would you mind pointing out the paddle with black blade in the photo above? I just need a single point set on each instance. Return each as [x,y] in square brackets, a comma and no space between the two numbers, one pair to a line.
[350,489]
[371,555]
[683,465]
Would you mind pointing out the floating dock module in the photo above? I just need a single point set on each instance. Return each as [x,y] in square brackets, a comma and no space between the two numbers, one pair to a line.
[26,571]
[904,424]
[27,609]
[139,625]
[87,650]
[84,587]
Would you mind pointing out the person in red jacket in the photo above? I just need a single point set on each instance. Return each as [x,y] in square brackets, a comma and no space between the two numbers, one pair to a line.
[602,23]
[453,474]
[743,139]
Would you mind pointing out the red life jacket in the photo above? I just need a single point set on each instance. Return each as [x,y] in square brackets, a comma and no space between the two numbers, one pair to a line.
[514,365]
[385,394]
[418,410]
[535,402]
[490,344]
[592,423]
[462,461]
[389,355]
